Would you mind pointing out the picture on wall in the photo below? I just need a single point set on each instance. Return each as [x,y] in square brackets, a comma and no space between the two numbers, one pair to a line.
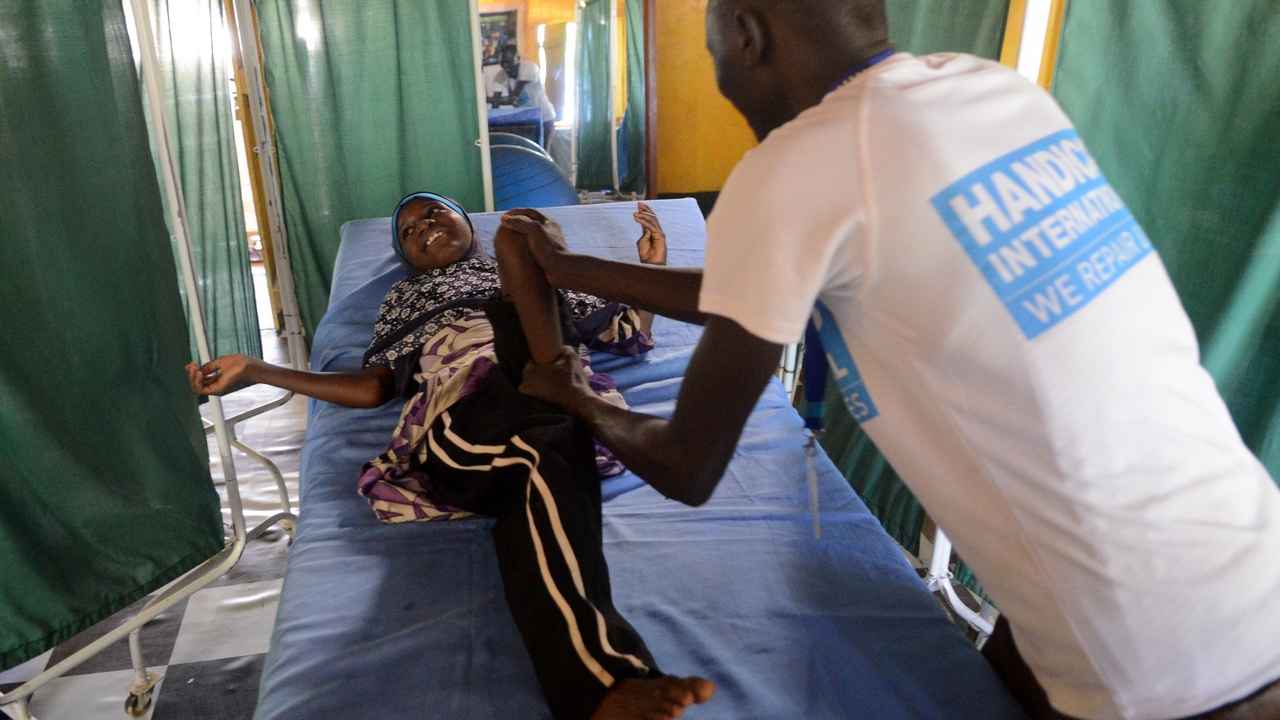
[499,26]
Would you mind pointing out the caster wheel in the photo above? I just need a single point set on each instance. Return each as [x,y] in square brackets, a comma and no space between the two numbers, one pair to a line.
[138,705]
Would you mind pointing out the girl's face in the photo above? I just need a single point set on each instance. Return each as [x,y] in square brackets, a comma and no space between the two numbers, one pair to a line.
[432,235]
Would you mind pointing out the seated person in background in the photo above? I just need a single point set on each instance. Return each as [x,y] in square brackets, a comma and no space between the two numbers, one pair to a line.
[453,341]
[521,80]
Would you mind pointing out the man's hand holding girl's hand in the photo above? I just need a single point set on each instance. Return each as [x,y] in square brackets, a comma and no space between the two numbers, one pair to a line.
[546,239]
[222,375]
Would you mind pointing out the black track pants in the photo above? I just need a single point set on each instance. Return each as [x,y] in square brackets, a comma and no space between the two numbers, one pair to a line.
[520,460]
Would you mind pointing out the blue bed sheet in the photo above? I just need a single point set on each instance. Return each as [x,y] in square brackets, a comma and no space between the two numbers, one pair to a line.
[409,621]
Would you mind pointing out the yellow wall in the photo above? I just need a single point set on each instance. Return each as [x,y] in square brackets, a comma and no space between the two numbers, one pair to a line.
[700,135]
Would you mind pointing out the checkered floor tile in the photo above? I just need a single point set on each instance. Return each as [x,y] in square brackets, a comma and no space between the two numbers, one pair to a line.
[209,647]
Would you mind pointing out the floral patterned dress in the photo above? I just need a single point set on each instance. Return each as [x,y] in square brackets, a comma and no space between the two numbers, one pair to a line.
[434,334]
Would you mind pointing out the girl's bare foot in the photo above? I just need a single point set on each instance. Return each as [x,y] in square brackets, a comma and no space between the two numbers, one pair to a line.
[659,699]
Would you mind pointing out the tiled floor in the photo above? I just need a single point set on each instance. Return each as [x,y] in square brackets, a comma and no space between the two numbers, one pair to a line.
[209,647]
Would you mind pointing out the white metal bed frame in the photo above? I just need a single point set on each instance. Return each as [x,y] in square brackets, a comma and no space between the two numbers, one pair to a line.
[16,703]
[940,580]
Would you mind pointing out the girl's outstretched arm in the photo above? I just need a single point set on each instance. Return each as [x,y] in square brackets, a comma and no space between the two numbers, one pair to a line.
[368,388]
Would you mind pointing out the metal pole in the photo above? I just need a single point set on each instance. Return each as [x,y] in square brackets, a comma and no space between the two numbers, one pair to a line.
[486,160]
[246,27]
[613,88]
[939,580]
[17,710]
[577,96]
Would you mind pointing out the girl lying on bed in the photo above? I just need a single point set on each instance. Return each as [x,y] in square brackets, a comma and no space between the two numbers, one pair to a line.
[452,341]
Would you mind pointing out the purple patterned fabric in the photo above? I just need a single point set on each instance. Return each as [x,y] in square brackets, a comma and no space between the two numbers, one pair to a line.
[452,363]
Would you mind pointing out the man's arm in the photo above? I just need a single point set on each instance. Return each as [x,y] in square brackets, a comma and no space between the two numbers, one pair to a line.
[670,292]
[685,457]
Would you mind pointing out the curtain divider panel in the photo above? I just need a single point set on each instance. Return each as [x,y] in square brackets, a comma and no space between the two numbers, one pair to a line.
[1180,104]
[370,101]
[105,491]
[595,112]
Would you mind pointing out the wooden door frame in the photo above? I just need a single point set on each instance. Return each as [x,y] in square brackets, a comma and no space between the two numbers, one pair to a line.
[255,171]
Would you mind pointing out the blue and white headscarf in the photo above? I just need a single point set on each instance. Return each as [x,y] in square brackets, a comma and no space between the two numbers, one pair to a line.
[477,248]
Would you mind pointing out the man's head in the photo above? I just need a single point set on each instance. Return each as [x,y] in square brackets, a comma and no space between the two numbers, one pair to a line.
[510,58]
[776,58]
[432,232]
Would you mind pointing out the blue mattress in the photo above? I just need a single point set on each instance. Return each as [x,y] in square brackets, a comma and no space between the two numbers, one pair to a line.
[409,621]
[515,116]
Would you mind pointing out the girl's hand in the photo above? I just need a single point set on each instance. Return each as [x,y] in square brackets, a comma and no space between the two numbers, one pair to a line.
[221,376]
[546,240]
[652,245]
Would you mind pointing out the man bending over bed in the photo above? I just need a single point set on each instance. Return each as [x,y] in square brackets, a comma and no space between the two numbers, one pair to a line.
[453,341]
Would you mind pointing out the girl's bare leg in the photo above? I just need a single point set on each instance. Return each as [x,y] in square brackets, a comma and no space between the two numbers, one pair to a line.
[524,284]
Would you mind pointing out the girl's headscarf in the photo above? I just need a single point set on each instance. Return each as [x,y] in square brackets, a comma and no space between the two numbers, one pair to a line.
[477,248]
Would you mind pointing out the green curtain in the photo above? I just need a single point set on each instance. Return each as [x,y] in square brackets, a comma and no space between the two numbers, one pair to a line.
[918,27]
[1180,104]
[192,45]
[372,100]
[635,115]
[105,492]
[921,27]
[595,116]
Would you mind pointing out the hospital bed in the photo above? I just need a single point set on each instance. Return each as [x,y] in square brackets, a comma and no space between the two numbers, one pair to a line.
[410,621]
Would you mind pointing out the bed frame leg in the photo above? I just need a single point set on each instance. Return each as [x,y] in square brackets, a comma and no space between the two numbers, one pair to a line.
[142,689]
[144,680]
[789,368]
[285,506]
[939,580]
[17,709]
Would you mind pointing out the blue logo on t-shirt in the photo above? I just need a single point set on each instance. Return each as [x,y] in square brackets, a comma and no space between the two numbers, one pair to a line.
[845,372]
[1045,228]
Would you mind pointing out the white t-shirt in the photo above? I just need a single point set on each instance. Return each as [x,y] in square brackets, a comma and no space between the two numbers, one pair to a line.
[533,95]
[1002,329]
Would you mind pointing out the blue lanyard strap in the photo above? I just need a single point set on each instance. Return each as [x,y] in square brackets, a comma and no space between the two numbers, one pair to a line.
[815,378]
[859,68]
